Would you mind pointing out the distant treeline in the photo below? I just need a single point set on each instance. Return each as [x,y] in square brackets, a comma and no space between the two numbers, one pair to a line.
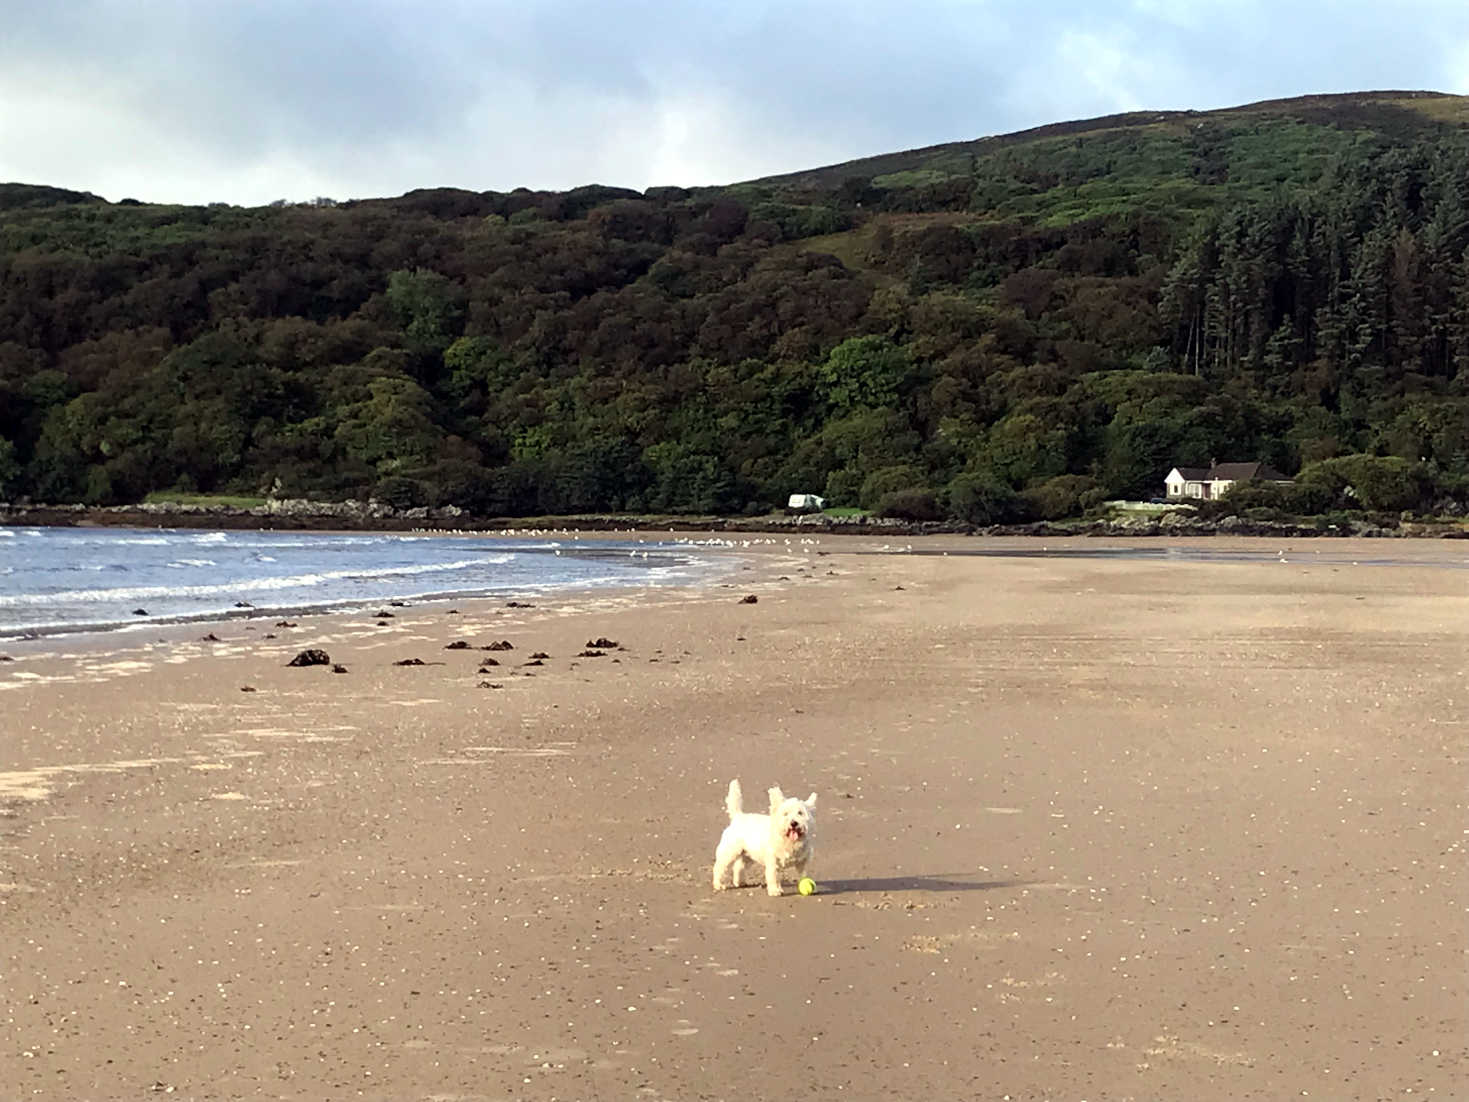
[1019,333]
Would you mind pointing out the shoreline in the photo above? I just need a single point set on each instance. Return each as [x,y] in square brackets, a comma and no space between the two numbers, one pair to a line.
[352,516]
[695,565]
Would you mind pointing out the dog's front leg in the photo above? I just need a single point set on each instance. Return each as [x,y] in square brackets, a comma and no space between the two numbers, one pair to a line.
[772,878]
[721,867]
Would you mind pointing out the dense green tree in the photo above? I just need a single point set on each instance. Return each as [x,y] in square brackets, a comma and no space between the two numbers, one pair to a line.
[864,373]
[392,428]
[9,468]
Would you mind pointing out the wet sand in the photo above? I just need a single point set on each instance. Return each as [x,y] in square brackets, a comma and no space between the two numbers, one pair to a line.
[1088,829]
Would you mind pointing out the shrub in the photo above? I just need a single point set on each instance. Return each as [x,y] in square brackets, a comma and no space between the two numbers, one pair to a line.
[1057,497]
[401,492]
[911,504]
[843,487]
[457,482]
[1212,509]
[1243,496]
[1392,484]
[1309,498]
[99,487]
[983,499]
[1369,482]
[888,480]
[1451,495]
[1093,499]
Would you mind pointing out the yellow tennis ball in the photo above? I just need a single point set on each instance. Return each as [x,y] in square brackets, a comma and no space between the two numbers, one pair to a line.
[807,886]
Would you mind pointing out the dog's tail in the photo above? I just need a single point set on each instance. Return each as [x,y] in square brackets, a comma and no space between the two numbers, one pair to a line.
[734,801]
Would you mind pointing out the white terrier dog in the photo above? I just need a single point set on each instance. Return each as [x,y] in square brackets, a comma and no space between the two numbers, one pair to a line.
[781,841]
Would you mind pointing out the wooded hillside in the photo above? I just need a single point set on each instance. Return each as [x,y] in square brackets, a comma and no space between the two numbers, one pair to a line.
[1014,327]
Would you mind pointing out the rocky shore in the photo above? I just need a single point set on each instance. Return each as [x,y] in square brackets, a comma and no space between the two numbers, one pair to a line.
[302,515]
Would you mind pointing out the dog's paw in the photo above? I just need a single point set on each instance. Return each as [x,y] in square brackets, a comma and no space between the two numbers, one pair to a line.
[773,891]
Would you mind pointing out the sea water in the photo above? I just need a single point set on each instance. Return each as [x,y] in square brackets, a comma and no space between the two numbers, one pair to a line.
[55,580]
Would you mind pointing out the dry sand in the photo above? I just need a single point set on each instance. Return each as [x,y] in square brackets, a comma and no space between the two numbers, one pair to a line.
[1089,829]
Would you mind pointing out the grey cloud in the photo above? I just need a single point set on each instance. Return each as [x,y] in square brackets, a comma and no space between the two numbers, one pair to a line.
[281,98]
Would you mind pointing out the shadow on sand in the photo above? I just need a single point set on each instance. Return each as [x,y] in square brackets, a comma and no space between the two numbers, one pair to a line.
[946,882]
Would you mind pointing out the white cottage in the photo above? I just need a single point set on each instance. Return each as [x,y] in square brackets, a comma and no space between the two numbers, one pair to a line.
[1207,483]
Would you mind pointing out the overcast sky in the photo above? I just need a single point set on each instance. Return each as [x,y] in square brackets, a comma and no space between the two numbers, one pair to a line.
[201,101]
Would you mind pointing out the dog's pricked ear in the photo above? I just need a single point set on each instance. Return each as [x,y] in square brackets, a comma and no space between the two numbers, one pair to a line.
[777,797]
[811,800]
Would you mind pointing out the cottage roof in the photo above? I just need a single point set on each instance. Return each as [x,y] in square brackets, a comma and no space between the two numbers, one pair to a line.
[1231,472]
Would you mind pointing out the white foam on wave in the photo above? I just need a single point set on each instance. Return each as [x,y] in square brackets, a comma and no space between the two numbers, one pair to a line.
[181,563]
[268,541]
[253,585]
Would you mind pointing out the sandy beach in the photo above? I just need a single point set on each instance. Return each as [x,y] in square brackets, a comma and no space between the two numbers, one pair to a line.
[1088,829]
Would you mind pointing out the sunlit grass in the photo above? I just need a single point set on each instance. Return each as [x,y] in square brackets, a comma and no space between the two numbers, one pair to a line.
[234,501]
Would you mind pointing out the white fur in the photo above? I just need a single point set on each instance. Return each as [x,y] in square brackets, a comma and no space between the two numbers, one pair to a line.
[780,841]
